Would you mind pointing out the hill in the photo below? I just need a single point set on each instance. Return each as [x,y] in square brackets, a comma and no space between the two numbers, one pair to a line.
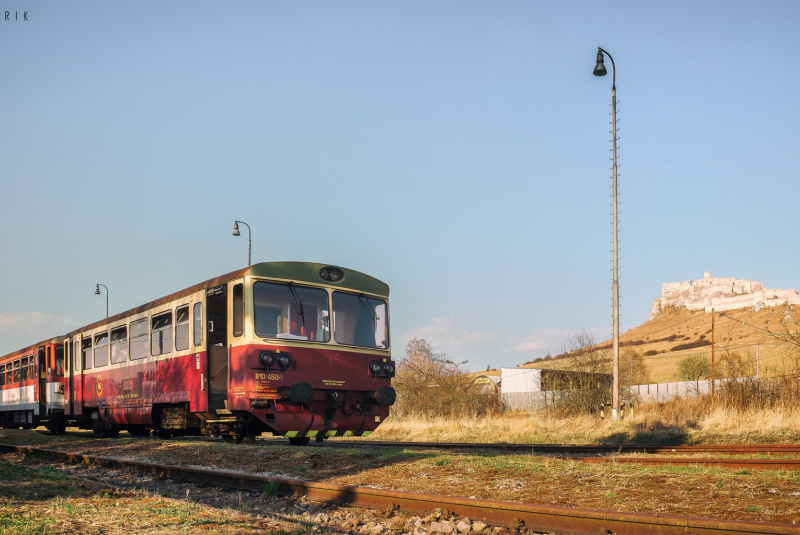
[676,333]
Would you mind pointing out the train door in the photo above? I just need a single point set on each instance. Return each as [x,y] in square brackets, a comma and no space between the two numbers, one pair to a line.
[41,377]
[77,376]
[68,376]
[217,346]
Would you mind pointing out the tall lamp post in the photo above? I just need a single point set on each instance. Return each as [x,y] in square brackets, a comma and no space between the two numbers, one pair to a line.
[600,70]
[97,292]
[249,235]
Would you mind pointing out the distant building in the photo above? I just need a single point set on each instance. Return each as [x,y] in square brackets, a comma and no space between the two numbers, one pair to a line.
[720,293]
[488,383]
[529,388]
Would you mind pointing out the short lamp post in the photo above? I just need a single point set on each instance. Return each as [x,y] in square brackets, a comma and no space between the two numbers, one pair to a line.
[97,292]
[249,237]
[600,70]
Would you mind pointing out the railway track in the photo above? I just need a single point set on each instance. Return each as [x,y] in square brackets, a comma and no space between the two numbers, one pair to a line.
[565,449]
[535,517]
[574,449]
[601,453]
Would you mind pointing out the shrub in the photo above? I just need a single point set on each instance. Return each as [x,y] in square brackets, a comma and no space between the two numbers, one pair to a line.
[650,352]
[585,381]
[690,345]
[429,384]
[694,368]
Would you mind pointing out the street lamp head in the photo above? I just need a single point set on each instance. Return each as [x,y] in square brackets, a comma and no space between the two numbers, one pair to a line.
[600,68]
[236,229]
[97,290]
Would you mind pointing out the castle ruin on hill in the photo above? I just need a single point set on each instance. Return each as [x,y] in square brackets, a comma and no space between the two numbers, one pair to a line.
[721,293]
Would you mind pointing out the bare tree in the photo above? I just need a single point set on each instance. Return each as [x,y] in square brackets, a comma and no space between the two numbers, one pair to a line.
[430,384]
[581,381]
[789,331]
[632,368]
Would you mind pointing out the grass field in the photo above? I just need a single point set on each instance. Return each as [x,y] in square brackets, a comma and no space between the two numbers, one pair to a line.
[677,422]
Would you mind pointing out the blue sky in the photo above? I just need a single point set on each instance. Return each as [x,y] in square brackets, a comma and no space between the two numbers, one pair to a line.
[456,150]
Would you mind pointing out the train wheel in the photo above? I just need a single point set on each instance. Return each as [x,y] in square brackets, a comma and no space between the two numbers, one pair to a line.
[112,433]
[299,441]
[230,439]
[249,439]
[163,434]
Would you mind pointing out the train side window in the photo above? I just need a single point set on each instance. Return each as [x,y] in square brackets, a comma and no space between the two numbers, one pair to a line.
[119,345]
[9,373]
[101,349]
[139,332]
[86,346]
[182,328]
[76,355]
[17,375]
[161,334]
[2,374]
[198,324]
[23,369]
[238,310]
[59,361]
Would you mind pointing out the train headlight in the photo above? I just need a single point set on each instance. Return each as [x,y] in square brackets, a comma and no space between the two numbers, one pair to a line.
[266,359]
[388,369]
[375,367]
[284,361]
[331,274]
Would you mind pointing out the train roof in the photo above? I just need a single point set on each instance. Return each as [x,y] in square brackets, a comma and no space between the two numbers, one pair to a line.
[18,352]
[295,271]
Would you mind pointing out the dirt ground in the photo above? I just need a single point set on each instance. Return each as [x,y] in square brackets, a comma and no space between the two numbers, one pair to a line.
[767,496]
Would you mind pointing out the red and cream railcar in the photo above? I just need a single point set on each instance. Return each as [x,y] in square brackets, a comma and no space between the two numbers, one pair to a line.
[32,387]
[296,349]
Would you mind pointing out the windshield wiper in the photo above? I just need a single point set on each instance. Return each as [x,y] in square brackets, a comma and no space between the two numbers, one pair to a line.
[297,303]
[363,300]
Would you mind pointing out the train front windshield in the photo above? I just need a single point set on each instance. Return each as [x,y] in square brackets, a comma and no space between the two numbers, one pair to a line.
[291,312]
[359,321]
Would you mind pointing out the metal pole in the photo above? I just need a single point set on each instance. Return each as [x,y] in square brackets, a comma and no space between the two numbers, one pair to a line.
[757,348]
[600,70]
[106,287]
[713,370]
[615,281]
[249,240]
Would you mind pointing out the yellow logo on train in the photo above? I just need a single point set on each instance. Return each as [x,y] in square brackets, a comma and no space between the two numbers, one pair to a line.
[99,386]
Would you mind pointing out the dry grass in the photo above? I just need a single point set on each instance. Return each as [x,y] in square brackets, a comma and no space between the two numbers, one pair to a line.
[45,501]
[679,421]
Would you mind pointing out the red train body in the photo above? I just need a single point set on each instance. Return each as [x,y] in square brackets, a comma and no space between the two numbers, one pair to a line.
[296,349]
[32,386]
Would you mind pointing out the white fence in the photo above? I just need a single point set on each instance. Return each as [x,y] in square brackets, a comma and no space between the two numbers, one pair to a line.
[520,389]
